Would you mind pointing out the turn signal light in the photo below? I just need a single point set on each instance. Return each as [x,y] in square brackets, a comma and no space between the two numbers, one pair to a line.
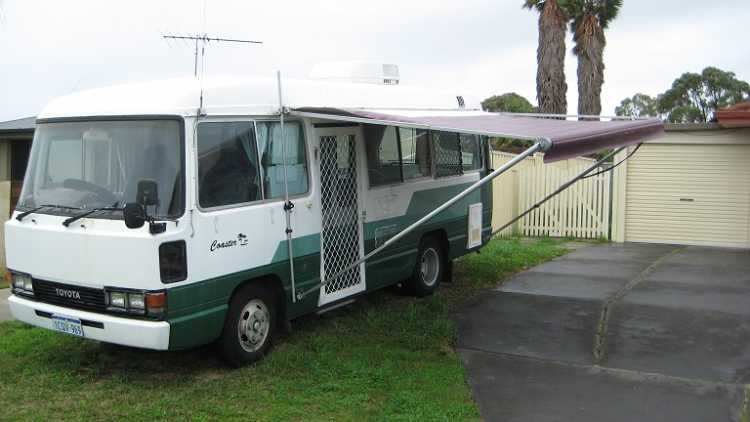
[156,303]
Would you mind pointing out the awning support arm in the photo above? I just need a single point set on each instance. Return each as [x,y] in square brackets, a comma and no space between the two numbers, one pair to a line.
[559,190]
[288,205]
[541,145]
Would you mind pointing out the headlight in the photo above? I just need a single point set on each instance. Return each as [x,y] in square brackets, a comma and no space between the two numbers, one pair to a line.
[117,299]
[22,283]
[136,301]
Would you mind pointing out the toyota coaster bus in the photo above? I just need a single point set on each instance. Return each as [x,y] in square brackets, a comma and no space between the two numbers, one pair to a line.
[172,214]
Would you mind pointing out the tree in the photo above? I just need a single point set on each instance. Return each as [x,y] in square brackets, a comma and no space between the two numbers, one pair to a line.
[551,88]
[639,105]
[510,102]
[695,98]
[589,19]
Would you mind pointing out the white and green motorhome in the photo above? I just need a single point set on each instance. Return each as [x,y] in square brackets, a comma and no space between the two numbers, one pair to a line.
[172,214]
[155,215]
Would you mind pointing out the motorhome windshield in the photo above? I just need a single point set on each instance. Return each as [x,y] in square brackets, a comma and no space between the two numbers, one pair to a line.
[99,164]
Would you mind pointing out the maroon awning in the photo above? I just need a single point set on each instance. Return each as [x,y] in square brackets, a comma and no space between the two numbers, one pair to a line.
[569,138]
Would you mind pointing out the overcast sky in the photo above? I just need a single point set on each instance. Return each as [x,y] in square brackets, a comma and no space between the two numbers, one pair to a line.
[482,47]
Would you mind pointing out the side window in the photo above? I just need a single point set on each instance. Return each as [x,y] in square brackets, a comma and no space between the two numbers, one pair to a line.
[228,171]
[471,152]
[415,153]
[447,154]
[383,163]
[272,158]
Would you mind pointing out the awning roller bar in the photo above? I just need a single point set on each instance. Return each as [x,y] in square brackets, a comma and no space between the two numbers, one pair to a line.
[354,119]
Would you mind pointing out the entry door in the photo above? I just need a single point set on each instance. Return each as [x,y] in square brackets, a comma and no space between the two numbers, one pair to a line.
[341,232]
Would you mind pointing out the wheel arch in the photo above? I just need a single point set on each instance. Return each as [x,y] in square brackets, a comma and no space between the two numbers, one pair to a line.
[442,237]
[274,284]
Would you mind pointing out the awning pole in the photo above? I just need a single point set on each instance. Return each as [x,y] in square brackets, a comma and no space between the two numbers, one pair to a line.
[540,145]
[560,189]
[288,205]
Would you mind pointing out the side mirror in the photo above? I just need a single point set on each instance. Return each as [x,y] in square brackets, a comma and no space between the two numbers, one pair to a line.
[134,214]
[147,193]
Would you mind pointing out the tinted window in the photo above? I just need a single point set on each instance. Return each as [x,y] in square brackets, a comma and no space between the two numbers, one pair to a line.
[272,158]
[471,152]
[415,153]
[228,170]
[383,163]
[447,154]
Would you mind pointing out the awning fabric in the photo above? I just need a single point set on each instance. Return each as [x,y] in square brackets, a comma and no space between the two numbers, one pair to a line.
[569,138]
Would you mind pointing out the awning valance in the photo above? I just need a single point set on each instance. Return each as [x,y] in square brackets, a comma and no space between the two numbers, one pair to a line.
[569,138]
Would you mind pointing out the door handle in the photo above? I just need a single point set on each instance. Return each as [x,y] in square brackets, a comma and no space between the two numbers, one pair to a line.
[687,200]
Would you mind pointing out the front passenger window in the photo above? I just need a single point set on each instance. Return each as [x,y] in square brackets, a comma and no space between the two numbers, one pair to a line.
[228,171]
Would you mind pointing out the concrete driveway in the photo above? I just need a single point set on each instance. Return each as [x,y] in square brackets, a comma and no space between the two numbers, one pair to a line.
[615,332]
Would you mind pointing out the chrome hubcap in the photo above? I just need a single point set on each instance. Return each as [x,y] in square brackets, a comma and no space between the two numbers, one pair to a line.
[429,266]
[253,326]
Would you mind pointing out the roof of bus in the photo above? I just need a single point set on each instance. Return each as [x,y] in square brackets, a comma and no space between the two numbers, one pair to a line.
[244,96]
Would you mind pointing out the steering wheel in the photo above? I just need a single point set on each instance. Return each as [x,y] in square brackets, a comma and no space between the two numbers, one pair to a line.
[101,193]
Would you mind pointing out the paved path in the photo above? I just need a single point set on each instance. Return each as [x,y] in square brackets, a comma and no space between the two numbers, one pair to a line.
[615,332]
[4,311]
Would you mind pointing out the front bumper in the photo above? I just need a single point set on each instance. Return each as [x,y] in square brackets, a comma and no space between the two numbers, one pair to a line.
[106,328]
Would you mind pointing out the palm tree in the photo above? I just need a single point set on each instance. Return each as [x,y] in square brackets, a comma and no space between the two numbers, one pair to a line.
[589,20]
[551,88]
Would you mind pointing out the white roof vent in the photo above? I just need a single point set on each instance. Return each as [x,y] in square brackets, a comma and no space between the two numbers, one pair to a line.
[357,71]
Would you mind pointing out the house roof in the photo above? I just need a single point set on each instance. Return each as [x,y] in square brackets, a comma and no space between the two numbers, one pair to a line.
[18,126]
[737,115]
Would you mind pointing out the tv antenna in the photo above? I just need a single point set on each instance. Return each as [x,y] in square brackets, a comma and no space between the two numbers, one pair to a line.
[203,39]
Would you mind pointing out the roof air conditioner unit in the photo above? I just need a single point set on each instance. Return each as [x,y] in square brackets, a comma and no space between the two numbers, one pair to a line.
[361,72]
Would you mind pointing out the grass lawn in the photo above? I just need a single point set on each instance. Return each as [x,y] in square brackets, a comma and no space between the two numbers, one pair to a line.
[387,357]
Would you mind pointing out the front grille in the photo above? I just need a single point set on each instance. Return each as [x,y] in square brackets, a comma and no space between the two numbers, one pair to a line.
[91,299]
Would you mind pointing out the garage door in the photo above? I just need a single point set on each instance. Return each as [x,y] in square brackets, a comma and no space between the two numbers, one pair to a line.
[689,194]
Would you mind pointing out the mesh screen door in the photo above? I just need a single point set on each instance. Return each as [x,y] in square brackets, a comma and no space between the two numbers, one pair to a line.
[341,229]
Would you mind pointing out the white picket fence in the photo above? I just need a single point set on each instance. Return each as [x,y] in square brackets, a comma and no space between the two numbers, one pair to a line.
[581,211]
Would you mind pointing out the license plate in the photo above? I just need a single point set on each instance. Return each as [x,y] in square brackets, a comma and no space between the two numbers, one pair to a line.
[67,325]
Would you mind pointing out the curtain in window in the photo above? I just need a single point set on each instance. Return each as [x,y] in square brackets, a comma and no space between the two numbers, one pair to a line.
[272,158]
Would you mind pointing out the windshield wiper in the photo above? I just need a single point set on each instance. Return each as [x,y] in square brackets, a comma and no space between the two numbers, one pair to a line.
[67,221]
[25,214]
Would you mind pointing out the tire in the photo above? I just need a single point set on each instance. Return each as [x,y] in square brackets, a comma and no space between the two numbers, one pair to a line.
[429,268]
[250,325]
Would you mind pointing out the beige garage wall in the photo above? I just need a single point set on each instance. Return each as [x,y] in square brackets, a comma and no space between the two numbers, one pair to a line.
[690,187]
[4,196]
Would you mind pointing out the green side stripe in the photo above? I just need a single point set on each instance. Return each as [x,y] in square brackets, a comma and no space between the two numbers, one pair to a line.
[197,310]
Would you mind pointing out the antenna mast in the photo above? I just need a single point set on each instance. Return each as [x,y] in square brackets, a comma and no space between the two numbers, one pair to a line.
[202,40]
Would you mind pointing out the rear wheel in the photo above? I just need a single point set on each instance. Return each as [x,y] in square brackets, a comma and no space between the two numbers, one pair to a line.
[250,326]
[429,268]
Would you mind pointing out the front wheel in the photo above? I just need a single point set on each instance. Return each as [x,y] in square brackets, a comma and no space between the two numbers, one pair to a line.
[429,268]
[250,326]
